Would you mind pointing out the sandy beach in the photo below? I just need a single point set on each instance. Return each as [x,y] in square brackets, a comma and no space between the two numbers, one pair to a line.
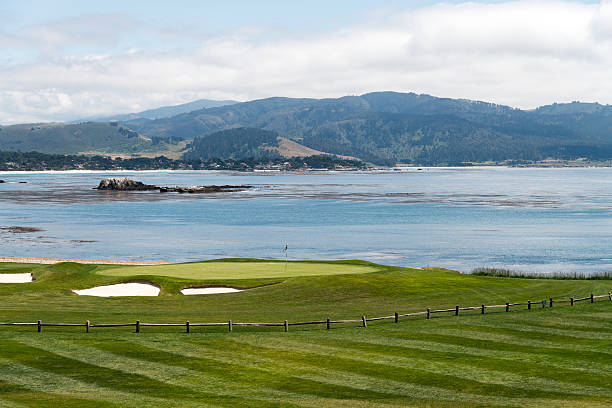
[51,261]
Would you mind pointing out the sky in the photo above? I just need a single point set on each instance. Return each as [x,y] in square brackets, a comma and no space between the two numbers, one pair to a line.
[65,60]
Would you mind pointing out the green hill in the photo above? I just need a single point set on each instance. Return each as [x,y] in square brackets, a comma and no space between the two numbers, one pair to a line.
[71,139]
[235,144]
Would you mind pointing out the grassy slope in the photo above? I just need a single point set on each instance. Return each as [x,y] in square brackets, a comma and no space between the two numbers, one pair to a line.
[543,357]
[70,139]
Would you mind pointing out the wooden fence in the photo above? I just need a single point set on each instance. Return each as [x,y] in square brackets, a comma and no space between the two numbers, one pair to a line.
[327,322]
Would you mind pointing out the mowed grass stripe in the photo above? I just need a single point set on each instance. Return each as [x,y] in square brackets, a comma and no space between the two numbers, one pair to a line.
[225,351]
[21,395]
[571,326]
[67,388]
[93,374]
[413,395]
[304,355]
[174,378]
[536,336]
[5,403]
[432,367]
[512,337]
[484,355]
[559,331]
[532,368]
[274,362]
[477,341]
[280,367]
[556,402]
[34,381]
[233,375]
[244,377]
[84,351]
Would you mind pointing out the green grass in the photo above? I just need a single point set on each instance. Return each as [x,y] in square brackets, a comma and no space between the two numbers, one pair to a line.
[242,269]
[557,357]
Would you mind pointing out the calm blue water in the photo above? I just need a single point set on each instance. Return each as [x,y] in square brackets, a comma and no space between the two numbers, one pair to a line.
[523,219]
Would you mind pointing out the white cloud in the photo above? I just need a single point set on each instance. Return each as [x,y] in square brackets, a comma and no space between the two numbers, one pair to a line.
[522,53]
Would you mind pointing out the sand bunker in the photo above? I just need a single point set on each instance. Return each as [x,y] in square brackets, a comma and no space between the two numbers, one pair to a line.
[121,289]
[208,291]
[15,277]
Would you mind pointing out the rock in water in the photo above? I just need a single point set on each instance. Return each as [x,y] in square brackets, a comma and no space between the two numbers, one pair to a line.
[124,184]
[204,189]
[2,181]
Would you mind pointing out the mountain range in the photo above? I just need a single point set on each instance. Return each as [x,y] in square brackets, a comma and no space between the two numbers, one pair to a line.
[161,112]
[383,128]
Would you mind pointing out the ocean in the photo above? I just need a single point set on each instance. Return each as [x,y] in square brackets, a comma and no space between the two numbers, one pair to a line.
[525,219]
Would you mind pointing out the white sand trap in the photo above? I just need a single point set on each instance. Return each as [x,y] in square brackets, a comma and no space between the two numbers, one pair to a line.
[208,291]
[15,277]
[121,289]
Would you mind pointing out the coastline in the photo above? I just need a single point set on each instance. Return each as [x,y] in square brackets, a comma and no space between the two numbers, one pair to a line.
[373,170]
[398,169]
[8,172]
[52,261]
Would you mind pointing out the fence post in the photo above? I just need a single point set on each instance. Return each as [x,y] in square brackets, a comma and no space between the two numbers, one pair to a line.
[396,317]
[457,310]
[529,305]
[429,313]
[229,325]
[39,326]
[482,309]
[137,326]
[551,302]
[328,324]
[544,304]
[286,326]
[363,319]
[571,301]
[187,326]
[87,324]
[592,300]
[507,306]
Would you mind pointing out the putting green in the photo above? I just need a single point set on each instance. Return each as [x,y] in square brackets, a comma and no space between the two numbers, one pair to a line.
[240,270]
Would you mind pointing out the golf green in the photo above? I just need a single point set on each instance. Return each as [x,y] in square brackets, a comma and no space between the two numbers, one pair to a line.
[240,270]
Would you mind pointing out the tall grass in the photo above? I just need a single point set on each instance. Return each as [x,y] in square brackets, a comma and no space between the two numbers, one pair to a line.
[508,273]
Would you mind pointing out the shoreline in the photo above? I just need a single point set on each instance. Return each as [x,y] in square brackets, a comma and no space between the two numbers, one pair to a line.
[398,169]
[373,170]
[52,261]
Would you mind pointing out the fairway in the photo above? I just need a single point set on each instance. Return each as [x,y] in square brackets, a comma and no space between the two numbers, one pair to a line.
[240,270]
[552,357]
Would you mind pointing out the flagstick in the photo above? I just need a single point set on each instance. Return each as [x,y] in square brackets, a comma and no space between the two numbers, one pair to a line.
[286,259]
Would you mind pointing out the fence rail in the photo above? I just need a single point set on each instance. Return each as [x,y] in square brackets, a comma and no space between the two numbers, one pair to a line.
[327,322]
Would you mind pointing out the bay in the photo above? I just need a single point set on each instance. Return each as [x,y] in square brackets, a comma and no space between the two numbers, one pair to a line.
[524,219]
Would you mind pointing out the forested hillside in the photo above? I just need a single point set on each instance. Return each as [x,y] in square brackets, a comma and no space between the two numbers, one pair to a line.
[382,128]
[234,144]
[389,127]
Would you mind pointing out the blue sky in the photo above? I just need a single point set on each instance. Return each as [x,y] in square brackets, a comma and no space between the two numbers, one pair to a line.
[217,15]
[67,59]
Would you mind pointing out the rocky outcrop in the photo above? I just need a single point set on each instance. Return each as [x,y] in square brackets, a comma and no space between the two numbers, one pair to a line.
[124,184]
[20,230]
[203,189]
